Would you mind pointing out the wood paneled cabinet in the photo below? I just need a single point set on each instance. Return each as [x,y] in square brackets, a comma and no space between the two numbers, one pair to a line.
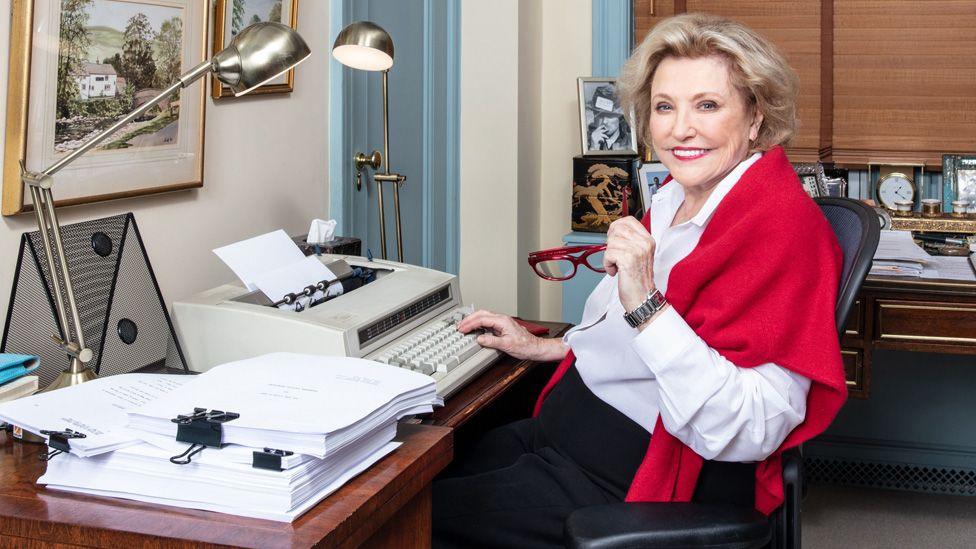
[880,80]
[935,316]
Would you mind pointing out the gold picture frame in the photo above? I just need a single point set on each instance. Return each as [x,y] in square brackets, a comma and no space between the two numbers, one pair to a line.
[163,152]
[223,31]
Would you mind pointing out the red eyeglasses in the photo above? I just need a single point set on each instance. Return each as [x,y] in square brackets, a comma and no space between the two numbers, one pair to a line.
[561,263]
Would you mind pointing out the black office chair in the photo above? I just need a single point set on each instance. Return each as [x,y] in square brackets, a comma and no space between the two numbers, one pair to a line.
[633,525]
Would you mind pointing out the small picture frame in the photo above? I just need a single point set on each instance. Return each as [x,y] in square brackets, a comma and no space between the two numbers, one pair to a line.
[812,178]
[958,180]
[231,16]
[604,130]
[651,176]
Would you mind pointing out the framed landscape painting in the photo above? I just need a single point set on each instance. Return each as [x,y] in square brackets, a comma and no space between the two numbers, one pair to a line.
[76,67]
[231,16]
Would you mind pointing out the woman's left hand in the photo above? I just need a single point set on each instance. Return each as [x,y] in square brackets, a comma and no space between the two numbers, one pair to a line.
[630,257]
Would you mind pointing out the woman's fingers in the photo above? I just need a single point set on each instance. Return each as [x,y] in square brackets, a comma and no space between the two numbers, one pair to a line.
[629,246]
[485,319]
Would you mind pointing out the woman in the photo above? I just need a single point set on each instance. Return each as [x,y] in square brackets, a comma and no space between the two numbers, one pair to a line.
[710,345]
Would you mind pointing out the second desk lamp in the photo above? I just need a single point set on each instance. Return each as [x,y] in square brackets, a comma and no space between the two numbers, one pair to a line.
[257,54]
[364,45]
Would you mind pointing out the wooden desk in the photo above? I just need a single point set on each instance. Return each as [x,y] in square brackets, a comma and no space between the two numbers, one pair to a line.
[935,316]
[386,506]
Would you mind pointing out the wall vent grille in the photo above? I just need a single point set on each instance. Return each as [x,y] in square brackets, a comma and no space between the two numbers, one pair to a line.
[892,476]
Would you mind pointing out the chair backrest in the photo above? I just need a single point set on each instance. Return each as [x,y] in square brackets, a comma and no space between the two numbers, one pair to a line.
[858,230]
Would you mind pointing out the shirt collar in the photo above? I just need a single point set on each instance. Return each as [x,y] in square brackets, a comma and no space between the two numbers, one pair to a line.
[675,193]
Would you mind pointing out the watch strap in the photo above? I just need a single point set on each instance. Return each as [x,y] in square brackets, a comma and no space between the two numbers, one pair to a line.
[655,302]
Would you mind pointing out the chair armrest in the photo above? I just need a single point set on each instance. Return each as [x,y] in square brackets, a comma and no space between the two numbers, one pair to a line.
[632,525]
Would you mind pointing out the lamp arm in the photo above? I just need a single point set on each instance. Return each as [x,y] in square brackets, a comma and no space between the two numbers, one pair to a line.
[185,80]
[40,184]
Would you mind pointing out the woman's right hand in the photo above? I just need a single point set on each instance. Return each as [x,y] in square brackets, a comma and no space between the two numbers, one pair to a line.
[508,336]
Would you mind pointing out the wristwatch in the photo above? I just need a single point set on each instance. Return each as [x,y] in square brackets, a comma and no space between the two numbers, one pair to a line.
[655,302]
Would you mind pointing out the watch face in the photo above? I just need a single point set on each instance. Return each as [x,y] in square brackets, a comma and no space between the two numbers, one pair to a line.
[895,187]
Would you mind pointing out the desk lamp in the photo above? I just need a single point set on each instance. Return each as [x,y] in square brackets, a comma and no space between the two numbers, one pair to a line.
[257,54]
[365,46]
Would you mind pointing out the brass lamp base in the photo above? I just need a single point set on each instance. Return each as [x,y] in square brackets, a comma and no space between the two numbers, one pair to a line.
[68,378]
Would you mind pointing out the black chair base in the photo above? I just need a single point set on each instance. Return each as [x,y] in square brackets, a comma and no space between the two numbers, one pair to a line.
[670,525]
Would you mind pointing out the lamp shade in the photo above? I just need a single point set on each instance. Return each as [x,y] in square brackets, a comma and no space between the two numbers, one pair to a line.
[365,46]
[259,53]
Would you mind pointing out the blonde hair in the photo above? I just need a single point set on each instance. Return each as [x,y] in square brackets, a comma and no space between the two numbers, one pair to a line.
[756,68]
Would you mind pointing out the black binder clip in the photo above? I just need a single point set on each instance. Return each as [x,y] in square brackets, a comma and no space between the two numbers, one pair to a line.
[58,441]
[270,459]
[201,429]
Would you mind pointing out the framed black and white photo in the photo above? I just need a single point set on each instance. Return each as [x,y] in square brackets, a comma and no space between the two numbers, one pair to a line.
[604,130]
[812,178]
[958,180]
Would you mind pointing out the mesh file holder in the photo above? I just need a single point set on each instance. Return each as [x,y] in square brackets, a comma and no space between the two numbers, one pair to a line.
[125,321]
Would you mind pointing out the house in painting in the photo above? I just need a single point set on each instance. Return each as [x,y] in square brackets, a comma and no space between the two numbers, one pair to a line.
[97,80]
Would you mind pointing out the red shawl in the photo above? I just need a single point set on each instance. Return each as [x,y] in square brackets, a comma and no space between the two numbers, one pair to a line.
[760,287]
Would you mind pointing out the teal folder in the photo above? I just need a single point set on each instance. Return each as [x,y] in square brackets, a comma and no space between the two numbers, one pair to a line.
[13,366]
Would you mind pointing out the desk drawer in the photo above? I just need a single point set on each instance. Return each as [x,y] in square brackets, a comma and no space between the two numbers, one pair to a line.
[926,322]
[854,371]
[855,323]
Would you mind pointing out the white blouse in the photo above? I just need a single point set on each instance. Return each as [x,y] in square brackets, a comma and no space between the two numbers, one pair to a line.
[719,410]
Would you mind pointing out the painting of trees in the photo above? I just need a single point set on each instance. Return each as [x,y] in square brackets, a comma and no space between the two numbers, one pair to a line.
[237,17]
[138,64]
[275,13]
[112,56]
[169,47]
[74,42]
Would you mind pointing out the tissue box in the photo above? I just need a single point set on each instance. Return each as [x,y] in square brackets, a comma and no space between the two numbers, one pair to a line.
[340,245]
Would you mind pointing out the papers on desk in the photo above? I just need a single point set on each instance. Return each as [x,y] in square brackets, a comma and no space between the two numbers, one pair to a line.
[304,403]
[336,416]
[274,264]
[951,268]
[96,408]
[899,255]
[217,482]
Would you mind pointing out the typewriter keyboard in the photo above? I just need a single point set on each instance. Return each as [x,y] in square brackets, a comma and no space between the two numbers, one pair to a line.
[440,351]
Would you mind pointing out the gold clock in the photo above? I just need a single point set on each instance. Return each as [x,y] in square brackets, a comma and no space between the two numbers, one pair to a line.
[895,183]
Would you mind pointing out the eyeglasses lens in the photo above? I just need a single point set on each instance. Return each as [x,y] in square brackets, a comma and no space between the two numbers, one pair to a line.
[555,268]
[595,261]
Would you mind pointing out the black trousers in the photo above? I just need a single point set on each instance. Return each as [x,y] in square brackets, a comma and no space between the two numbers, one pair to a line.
[522,480]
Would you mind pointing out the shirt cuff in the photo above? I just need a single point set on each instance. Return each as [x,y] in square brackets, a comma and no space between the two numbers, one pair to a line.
[664,340]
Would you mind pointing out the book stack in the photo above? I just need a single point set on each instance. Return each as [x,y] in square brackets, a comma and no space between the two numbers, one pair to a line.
[14,381]
[266,437]
[20,387]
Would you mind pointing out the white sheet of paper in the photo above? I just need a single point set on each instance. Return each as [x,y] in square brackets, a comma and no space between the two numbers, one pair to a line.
[950,267]
[292,277]
[899,245]
[252,257]
[96,408]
